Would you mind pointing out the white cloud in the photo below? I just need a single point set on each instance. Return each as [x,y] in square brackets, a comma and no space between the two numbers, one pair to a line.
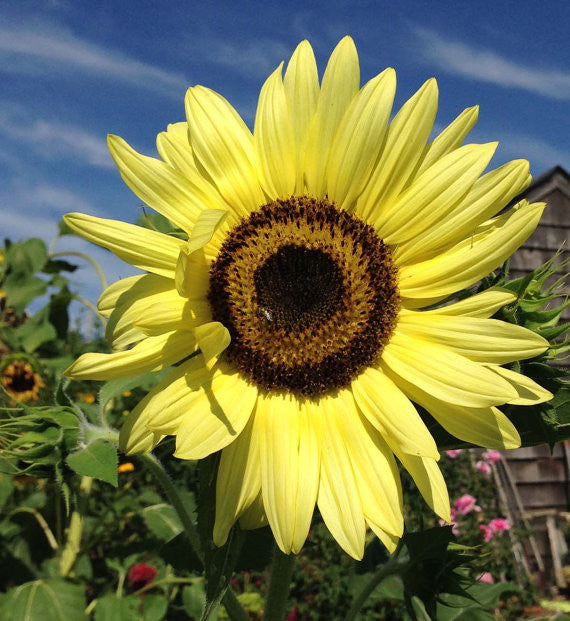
[49,140]
[253,59]
[40,49]
[487,66]
[539,153]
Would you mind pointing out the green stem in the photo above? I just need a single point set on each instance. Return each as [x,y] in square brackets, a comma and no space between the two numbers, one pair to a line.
[393,566]
[75,531]
[42,523]
[87,258]
[159,472]
[279,585]
[91,307]
[231,604]
[165,581]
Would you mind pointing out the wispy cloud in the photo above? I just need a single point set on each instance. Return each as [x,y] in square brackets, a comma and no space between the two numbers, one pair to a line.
[250,58]
[43,48]
[541,154]
[486,65]
[50,140]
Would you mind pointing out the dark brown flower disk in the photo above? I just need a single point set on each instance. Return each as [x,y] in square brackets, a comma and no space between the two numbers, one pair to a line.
[309,295]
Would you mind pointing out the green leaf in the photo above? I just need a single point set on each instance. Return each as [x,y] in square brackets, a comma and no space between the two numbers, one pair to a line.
[194,600]
[26,257]
[45,600]
[162,521]
[155,607]
[6,488]
[36,331]
[113,608]
[58,311]
[179,553]
[54,266]
[21,289]
[98,459]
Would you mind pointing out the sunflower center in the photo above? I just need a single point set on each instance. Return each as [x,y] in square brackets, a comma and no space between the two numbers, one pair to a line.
[18,377]
[309,294]
[298,287]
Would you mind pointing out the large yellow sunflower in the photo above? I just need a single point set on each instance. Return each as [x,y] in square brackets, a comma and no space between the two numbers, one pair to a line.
[312,245]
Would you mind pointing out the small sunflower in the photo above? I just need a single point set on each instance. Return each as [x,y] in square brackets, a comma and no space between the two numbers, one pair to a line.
[20,381]
[313,244]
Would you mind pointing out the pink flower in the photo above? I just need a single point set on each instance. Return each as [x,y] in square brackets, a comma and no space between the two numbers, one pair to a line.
[492,455]
[453,453]
[499,525]
[487,532]
[487,578]
[466,504]
[483,467]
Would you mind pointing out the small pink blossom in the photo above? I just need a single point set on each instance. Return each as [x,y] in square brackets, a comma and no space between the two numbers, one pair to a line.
[492,455]
[466,504]
[487,532]
[452,522]
[487,578]
[483,467]
[453,453]
[499,525]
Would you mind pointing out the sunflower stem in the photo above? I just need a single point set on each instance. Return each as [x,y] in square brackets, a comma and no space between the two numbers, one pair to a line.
[234,609]
[393,566]
[279,585]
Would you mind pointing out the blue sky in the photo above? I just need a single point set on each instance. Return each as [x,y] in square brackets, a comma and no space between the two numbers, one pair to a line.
[73,71]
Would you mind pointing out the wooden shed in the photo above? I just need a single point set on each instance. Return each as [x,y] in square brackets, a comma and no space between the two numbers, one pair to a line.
[535,481]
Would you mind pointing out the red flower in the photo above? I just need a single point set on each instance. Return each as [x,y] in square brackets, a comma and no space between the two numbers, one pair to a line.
[140,575]
[292,616]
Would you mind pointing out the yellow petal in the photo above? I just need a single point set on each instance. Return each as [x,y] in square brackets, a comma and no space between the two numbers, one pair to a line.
[405,141]
[430,482]
[224,146]
[340,84]
[482,340]
[216,416]
[529,392]
[135,435]
[122,328]
[289,468]
[338,499]
[212,338]
[301,84]
[485,426]
[192,275]
[359,139]
[472,259]
[152,354]
[392,413]
[484,304]
[254,516]
[175,314]
[443,373]
[175,196]
[449,139]
[375,471]
[274,139]
[434,193]
[143,248]
[125,291]
[390,541]
[487,197]
[174,148]
[239,480]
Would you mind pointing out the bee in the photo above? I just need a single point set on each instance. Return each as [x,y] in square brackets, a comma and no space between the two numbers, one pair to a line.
[266,314]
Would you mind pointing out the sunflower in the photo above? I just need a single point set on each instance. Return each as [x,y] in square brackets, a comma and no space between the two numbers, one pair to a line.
[293,308]
[20,381]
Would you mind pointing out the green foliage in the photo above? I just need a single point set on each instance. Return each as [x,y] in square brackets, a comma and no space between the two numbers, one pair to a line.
[44,600]
[98,459]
